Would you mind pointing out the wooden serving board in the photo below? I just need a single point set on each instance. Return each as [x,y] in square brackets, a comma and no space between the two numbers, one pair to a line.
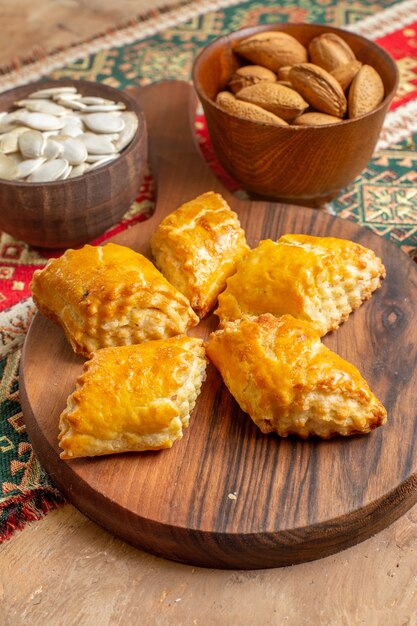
[292,500]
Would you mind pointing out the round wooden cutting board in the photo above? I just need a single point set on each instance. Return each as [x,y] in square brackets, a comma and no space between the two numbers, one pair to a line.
[226,495]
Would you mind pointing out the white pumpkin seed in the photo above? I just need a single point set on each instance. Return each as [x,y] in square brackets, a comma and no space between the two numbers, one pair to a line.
[60,137]
[74,151]
[58,133]
[13,117]
[125,137]
[25,168]
[66,96]
[93,158]
[42,106]
[52,149]
[16,157]
[66,173]
[49,171]
[78,170]
[72,130]
[8,168]
[104,108]
[9,142]
[6,128]
[41,121]
[52,91]
[75,105]
[95,100]
[104,122]
[102,161]
[97,144]
[74,118]
[31,144]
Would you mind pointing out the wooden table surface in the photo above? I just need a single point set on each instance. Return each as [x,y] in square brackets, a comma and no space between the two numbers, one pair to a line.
[65,570]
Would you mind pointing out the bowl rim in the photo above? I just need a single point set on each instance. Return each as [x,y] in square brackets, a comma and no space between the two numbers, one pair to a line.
[140,135]
[277,26]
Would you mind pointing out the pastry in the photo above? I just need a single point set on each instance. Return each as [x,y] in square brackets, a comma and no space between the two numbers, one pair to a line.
[196,248]
[319,279]
[109,296]
[133,398]
[289,382]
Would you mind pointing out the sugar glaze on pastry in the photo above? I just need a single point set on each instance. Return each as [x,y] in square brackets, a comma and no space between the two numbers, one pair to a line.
[109,296]
[319,279]
[133,398]
[197,247]
[289,382]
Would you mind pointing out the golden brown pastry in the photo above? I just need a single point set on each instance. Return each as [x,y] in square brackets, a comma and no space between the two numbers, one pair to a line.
[133,398]
[319,279]
[196,248]
[289,382]
[109,296]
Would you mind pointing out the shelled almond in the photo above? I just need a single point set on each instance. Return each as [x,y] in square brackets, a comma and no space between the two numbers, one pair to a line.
[303,85]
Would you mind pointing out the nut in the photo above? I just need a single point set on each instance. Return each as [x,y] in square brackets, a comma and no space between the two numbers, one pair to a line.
[314,118]
[278,99]
[329,51]
[319,88]
[272,49]
[284,72]
[229,103]
[344,74]
[250,75]
[366,91]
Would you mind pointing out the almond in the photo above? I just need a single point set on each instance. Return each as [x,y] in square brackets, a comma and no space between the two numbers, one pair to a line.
[329,51]
[319,88]
[344,74]
[366,91]
[314,118]
[272,49]
[229,103]
[250,75]
[278,99]
[284,72]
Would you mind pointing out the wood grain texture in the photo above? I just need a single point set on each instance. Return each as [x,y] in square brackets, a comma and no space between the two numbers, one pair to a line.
[76,210]
[308,165]
[81,574]
[31,30]
[295,500]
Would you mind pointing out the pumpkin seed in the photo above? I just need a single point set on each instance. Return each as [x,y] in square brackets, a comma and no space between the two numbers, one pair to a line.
[49,171]
[41,121]
[97,144]
[104,122]
[8,168]
[31,144]
[27,167]
[52,91]
[74,151]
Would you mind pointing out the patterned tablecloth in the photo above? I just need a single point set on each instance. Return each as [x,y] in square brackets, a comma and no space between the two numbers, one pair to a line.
[383,197]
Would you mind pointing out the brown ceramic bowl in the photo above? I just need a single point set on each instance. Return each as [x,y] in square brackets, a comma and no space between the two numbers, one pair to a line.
[74,211]
[294,164]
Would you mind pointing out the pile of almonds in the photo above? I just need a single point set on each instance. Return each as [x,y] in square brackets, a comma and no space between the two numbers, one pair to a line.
[58,133]
[290,84]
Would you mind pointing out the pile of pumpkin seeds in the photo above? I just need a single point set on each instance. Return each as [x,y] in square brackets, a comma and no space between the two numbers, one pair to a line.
[58,133]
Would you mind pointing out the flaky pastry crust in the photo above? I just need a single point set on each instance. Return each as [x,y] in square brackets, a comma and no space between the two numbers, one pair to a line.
[197,247]
[133,398]
[109,296]
[318,279]
[289,382]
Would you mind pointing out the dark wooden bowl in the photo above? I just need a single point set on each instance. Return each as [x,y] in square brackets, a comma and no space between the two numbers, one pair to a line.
[298,165]
[74,211]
